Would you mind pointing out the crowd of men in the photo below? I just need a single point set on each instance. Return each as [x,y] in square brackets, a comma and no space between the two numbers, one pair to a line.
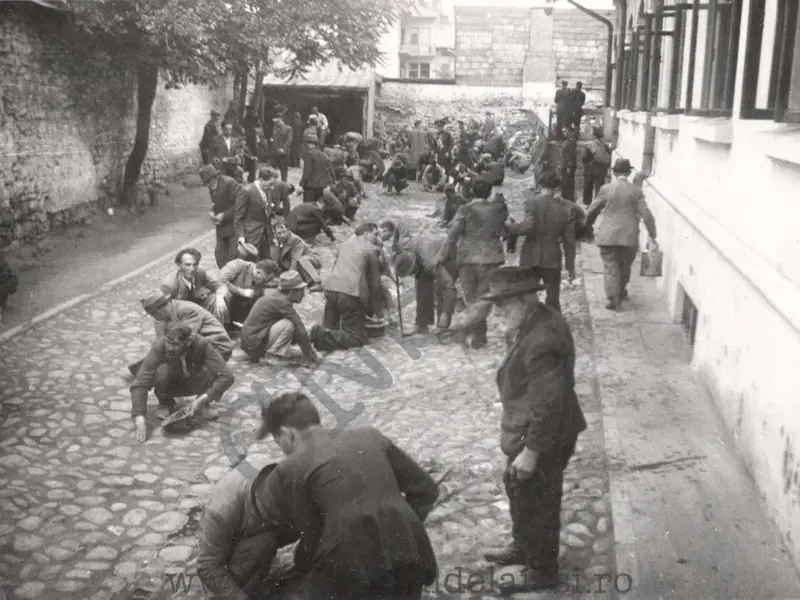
[353,502]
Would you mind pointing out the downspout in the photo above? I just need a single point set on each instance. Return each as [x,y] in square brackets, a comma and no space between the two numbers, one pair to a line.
[609,50]
[620,66]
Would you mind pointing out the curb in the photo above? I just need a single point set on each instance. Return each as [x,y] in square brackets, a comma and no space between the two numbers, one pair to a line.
[621,510]
[59,308]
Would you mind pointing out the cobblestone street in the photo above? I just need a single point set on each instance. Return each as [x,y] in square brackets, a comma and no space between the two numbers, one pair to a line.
[89,513]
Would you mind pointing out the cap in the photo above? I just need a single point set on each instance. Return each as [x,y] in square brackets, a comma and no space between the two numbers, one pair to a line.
[155,299]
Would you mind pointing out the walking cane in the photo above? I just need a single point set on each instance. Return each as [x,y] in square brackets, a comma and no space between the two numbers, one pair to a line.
[399,306]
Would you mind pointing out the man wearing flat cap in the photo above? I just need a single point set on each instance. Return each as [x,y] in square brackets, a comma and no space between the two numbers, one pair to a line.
[211,132]
[540,424]
[622,206]
[273,325]
[224,192]
[179,363]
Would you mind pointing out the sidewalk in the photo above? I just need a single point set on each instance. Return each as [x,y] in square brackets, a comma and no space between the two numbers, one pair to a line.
[687,516]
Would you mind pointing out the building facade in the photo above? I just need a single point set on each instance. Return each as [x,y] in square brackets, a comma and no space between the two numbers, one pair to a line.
[427,40]
[707,102]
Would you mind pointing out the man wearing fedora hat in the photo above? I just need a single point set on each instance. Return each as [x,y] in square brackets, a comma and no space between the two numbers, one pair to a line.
[179,363]
[224,192]
[237,546]
[273,325]
[211,132]
[622,205]
[540,424]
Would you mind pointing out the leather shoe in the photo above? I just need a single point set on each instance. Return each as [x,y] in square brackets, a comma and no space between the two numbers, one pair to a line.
[612,305]
[478,343]
[444,321]
[510,555]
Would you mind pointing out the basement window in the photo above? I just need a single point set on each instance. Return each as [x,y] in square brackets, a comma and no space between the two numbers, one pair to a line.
[689,318]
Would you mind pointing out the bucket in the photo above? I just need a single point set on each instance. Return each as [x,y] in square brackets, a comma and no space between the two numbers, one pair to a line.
[652,261]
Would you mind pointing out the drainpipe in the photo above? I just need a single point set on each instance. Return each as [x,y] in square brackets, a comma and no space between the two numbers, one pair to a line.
[620,66]
[609,50]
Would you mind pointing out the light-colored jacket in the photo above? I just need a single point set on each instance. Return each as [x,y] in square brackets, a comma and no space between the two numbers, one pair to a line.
[622,205]
[356,271]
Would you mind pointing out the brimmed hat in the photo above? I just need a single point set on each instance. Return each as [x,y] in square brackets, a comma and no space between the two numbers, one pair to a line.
[246,250]
[622,165]
[207,173]
[215,112]
[505,282]
[155,299]
[290,280]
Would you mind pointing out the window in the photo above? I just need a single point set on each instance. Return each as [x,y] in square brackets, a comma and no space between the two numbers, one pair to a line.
[771,88]
[425,70]
[413,70]
[444,71]
[414,39]
[682,58]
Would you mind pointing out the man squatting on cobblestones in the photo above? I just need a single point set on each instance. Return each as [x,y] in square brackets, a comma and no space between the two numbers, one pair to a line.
[354,502]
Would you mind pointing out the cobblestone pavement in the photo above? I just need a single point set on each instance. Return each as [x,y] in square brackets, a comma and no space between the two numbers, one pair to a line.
[87,512]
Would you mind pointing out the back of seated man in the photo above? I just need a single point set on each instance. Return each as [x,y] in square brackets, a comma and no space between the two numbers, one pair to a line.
[244,282]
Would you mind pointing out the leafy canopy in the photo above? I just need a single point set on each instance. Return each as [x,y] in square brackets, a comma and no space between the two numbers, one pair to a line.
[195,41]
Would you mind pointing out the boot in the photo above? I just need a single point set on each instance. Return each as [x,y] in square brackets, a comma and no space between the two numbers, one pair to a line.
[510,555]
[444,321]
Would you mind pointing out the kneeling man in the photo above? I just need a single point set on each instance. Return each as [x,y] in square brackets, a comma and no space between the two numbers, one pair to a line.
[273,324]
[181,363]
[290,252]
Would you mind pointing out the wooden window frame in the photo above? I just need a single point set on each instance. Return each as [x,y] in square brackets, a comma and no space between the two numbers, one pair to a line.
[788,62]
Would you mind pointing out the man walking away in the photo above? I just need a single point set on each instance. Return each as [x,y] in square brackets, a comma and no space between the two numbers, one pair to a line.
[539,428]
[547,225]
[281,147]
[577,98]
[211,132]
[569,162]
[418,141]
[623,205]
[596,160]
[315,172]
[224,192]
[357,503]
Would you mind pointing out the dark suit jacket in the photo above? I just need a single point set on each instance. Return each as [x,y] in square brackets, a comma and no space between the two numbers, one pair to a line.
[220,149]
[315,172]
[477,229]
[223,200]
[547,225]
[357,504]
[281,140]
[251,216]
[536,382]
[210,134]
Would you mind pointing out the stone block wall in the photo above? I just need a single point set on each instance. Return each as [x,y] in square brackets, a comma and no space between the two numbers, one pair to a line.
[580,44]
[67,123]
[491,45]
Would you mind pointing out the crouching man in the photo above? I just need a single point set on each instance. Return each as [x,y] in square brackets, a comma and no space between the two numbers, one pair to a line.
[291,253]
[355,502]
[273,325]
[237,546]
[243,282]
[181,363]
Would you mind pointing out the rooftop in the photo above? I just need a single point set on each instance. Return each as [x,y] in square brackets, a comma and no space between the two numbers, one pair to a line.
[328,75]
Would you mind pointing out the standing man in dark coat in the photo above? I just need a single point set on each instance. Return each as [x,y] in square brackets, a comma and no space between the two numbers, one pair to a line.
[577,98]
[211,132]
[562,108]
[315,171]
[596,160]
[224,192]
[623,206]
[297,139]
[547,225]
[251,124]
[356,502]
[477,230]
[251,218]
[280,147]
[540,425]
[569,162]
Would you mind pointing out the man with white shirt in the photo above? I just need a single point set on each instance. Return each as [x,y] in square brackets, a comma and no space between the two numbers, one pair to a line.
[257,202]
[322,122]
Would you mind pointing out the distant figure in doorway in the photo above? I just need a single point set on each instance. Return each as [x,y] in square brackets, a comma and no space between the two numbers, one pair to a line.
[562,108]
[324,126]
[281,147]
[576,100]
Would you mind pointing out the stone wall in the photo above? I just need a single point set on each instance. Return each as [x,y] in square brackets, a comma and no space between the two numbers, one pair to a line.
[67,121]
[580,44]
[491,45]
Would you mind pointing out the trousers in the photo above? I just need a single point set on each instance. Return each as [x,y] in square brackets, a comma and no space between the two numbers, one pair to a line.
[535,506]
[475,283]
[281,163]
[593,179]
[225,249]
[617,262]
[171,382]
[344,322]
[278,341]
[552,279]
[436,294]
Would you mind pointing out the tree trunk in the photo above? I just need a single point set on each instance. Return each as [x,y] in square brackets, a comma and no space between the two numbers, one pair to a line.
[237,83]
[146,84]
[257,98]
[242,99]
